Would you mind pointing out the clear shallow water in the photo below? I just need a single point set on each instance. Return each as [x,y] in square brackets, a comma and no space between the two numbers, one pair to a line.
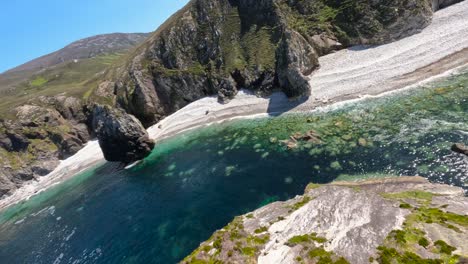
[195,183]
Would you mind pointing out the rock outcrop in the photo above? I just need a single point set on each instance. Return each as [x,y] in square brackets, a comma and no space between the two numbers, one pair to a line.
[439,4]
[121,136]
[392,220]
[460,148]
[217,47]
[41,134]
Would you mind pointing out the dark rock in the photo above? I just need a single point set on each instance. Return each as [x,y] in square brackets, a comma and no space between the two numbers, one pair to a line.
[439,4]
[121,136]
[81,131]
[44,167]
[32,133]
[69,145]
[6,185]
[5,142]
[70,108]
[460,148]
[217,47]
[227,90]
[19,142]
[296,59]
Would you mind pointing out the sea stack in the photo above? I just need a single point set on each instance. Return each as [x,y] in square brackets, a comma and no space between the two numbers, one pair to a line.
[121,136]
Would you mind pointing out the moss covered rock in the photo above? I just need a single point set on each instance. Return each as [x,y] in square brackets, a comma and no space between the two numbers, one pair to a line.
[349,222]
[41,134]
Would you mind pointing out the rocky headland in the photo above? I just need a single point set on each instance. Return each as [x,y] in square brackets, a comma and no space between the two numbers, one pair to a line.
[54,128]
[390,220]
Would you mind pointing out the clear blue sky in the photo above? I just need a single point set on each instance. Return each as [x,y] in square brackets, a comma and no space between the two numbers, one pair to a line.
[32,28]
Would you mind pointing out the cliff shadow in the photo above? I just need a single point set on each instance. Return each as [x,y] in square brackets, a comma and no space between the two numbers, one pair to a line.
[279,103]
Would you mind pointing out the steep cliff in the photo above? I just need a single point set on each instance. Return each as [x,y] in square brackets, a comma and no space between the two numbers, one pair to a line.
[42,133]
[44,113]
[218,47]
[121,136]
[393,220]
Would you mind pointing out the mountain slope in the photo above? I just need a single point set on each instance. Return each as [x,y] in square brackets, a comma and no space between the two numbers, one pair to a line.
[85,48]
[70,70]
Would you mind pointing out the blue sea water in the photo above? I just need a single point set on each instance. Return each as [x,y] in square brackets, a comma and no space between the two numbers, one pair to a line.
[196,182]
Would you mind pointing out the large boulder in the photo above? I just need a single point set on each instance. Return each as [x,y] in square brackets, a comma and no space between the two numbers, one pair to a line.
[121,136]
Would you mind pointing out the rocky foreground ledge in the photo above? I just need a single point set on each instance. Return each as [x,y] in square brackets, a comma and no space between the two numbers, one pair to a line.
[391,220]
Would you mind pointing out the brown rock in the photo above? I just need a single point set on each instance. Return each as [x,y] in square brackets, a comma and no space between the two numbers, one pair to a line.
[460,148]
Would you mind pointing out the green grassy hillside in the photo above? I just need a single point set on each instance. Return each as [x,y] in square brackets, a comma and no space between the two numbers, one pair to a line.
[72,78]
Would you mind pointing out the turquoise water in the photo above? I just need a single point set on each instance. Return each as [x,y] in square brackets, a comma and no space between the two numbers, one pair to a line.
[195,183]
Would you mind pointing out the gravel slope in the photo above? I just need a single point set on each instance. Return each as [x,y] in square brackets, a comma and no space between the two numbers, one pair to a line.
[372,70]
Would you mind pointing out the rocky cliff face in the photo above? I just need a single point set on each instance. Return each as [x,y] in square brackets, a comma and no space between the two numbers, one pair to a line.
[54,128]
[121,136]
[37,131]
[41,135]
[218,47]
[395,220]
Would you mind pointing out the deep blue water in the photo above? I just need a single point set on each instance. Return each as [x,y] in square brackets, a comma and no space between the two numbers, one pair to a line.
[147,216]
[195,183]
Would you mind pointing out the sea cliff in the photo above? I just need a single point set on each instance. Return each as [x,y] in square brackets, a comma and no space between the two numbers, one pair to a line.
[391,220]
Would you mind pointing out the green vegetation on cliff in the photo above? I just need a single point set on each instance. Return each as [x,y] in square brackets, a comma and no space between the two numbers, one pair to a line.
[231,242]
[70,78]
[349,21]
[407,244]
[252,48]
[218,47]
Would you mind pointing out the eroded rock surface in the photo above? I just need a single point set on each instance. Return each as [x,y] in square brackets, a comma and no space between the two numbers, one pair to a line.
[400,220]
[41,134]
[217,47]
[121,136]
